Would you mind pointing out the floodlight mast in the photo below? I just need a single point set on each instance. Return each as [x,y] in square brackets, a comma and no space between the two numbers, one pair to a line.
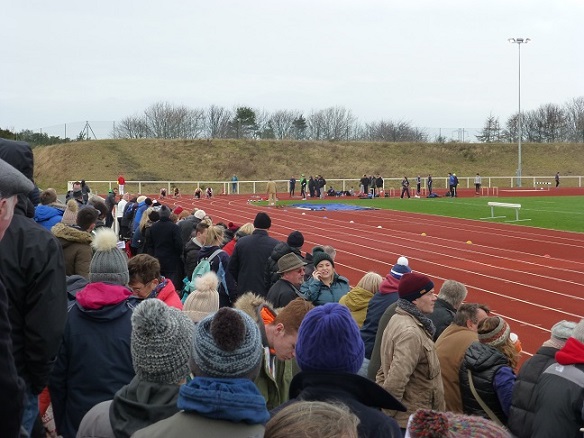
[519,41]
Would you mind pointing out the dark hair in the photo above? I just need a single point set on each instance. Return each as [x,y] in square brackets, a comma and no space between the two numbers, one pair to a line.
[143,268]
[86,217]
[468,311]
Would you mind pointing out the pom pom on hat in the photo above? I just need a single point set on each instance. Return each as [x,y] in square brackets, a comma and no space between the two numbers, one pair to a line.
[204,300]
[498,336]
[109,263]
[227,344]
[319,254]
[161,342]
[400,268]
[425,423]
[413,285]
[295,239]
[329,340]
[262,221]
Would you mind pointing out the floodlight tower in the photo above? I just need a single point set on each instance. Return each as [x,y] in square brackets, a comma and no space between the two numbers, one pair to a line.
[519,41]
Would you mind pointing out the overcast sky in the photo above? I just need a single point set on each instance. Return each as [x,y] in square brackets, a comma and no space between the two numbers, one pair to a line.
[434,63]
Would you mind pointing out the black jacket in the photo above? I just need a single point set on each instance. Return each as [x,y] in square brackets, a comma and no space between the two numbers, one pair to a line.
[280,250]
[281,293]
[442,316]
[248,262]
[187,226]
[11,386]
[363,397]
[483,361]
[191,257]
[33,271]
[522,410]
[167,245]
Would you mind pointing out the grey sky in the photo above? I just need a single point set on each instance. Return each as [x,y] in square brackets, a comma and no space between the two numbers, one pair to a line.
[434,63]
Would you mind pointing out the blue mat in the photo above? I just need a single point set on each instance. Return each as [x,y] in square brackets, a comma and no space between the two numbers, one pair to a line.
[331,207]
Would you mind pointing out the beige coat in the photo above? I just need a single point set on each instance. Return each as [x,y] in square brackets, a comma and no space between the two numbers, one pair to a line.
[76,248]
[410,369]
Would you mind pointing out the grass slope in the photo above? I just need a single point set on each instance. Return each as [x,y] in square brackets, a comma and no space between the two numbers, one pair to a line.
[219,159]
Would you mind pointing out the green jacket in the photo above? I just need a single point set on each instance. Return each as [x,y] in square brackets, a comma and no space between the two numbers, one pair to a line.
[274,387]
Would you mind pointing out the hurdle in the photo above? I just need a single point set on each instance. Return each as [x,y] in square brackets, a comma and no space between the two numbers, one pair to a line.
[490,191]
[516,207]
[547,184]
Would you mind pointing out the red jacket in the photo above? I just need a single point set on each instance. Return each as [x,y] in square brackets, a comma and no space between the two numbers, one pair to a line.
[169,296]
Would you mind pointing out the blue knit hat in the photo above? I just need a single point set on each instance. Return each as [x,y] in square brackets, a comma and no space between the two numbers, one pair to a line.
[400,268]
[329,340]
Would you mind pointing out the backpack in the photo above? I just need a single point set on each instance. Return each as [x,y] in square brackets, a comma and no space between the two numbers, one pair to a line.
[202,268]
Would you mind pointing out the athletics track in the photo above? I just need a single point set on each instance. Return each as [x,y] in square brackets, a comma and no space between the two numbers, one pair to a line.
[532,277]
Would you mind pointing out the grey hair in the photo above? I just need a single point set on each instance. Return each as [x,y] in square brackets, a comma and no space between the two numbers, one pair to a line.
[453,293]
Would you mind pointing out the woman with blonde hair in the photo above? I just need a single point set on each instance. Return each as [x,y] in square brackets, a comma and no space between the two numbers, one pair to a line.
[357,300]
[219,261]
[315,419]
[245,230]
[487,372]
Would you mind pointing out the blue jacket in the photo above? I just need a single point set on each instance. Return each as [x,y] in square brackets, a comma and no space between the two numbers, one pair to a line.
[319,293]
[47,216]
[94,360]
[142,207]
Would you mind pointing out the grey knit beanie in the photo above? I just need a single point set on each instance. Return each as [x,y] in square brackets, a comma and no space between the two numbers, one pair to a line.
[227,344]
[109,264]
[161,342]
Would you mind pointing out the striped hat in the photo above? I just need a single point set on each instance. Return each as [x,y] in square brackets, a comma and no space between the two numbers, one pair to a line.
[496,337]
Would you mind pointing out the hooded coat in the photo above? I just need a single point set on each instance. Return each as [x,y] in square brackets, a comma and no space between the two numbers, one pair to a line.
[357,300]
[33,271]
[94,360]
[76,245]
[48,215]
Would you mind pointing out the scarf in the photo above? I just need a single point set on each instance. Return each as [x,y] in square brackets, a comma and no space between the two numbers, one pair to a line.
[410,308]
[224,399]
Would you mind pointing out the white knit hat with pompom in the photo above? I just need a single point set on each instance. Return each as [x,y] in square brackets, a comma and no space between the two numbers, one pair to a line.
[204,300]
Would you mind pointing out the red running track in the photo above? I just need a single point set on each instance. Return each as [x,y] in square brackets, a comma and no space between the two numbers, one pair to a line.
[532,277]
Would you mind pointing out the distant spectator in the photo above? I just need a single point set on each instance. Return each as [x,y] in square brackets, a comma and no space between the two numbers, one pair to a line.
[357,299]
[193,246]
[121,184]
[234,181]
[110,202]
[557,179]
[85,191]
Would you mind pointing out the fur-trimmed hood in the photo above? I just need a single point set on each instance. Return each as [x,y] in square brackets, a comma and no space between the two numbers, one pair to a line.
[250,303]
[68,235]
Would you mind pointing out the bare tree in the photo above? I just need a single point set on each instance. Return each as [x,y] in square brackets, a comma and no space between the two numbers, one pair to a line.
[334,123]
[218,121]
[575,119]
[131,127]
[282,123]
[491,131]
[393,131]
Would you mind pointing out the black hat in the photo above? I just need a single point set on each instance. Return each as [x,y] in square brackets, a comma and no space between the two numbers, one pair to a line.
[295,239]
[262,221]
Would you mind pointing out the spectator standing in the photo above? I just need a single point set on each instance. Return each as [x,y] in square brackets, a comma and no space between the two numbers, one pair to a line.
[286,289]
[279,333]
[49,211]
[373,183]
[147,282]
[121,184]
[560,390]
[271,192]
[477,182]
[451,346]
[451,184]
[379,184]
[455,179]
[292,185]
[76,242]
[161,343]
[311,186]
[188,225]
[329,353]
[410,370]
[429,183]
[488,365]
[294,244]
[358,298]
[110,203]
[221,400]
[85,191]
[244,230]
[381,300]
[234,181]
[12,183]
[405,187]
[522,412]
[94,360]
[193,246]
[120,214]
[418,185]
[364,181]
[248,262]
[325,285]
[557,179]
[143,204]
[168,247]
[303,187]
[452,294]
[32,270]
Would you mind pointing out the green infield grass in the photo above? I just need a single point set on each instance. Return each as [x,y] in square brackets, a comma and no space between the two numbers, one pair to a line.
[557,213]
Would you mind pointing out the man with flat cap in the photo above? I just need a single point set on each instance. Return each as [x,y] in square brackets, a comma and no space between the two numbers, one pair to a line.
[291,270]
[12,182]
[33,271]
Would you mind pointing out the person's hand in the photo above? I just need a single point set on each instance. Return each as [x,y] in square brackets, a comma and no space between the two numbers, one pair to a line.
[316,275]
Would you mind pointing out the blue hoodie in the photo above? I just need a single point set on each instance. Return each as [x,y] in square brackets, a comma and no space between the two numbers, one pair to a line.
[47,216]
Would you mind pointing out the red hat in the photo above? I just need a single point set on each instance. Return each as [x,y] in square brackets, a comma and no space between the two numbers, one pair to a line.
[178,210]
[413,285]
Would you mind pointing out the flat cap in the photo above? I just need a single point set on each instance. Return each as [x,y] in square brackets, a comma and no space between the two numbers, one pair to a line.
[12,182]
